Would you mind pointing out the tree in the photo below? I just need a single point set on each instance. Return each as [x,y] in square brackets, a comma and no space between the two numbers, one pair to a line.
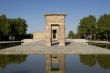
[18,28]
[0,31]
[71,35]
[5,28]
[87,26]
[15,27]
[104,26]
[28,36]
[3,22]
[3,19]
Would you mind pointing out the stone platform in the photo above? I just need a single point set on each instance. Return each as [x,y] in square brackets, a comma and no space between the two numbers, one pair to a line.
[40,48]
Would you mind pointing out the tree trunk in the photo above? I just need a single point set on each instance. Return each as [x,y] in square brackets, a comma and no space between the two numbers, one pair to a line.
[107,36]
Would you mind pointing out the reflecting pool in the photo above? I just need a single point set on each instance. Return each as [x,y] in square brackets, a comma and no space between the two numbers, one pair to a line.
[55,63]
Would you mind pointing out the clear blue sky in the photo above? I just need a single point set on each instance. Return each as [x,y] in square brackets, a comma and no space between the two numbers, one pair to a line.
[33,11]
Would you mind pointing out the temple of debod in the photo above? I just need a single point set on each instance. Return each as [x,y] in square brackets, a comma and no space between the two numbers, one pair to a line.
[54,30]
[54,33]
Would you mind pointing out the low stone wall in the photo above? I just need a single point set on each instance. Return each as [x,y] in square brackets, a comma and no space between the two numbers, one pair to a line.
[38,36]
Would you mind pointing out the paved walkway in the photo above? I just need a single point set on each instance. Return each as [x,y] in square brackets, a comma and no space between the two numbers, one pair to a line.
[70,48]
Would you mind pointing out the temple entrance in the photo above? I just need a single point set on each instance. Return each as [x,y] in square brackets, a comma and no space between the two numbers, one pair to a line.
[55,29]
[54,34]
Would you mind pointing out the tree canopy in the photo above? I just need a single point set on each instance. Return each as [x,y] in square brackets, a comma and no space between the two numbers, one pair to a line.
[97,29]
[9,27]
[71,35]
[104,26]
[87,26]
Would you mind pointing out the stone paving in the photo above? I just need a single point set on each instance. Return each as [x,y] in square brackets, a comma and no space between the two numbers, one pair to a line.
[40,48]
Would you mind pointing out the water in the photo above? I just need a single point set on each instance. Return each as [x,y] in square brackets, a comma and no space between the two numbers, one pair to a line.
[54,63]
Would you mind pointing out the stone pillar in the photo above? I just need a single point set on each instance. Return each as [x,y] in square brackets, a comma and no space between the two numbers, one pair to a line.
[62,36]
[57,34]
[48,36]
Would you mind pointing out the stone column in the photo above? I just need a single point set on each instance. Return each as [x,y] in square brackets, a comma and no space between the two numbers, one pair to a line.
[57,34]
[48,36]
[62,36]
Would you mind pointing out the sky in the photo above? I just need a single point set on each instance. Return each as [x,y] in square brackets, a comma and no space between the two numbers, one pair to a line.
[33,11]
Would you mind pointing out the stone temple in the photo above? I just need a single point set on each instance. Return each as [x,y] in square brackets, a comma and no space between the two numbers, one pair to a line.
[54,30]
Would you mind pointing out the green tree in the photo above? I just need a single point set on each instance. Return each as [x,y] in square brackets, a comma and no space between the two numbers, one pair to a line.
[18,27]
[71,35]
[87,26]
[0,32]
[104,26]
[3,21]
[22,26]
[15,27]
[5,28]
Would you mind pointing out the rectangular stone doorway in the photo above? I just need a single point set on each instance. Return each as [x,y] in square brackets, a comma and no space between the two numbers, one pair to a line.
[55,34]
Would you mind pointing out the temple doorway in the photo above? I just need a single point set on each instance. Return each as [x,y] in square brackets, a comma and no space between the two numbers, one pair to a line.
[55,29]
[54,34]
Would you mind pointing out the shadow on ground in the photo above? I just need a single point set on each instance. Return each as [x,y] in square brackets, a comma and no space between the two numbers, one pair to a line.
[57,43]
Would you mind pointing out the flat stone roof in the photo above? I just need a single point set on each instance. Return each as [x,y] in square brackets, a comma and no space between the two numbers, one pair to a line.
[55,14]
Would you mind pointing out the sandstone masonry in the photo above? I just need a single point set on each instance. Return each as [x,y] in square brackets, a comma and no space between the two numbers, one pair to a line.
[54,30]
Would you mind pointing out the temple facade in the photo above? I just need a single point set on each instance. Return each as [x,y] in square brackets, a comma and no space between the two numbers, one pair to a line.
[54,30]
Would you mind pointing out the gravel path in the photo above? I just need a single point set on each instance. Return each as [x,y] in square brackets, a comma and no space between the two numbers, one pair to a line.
[40,48]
